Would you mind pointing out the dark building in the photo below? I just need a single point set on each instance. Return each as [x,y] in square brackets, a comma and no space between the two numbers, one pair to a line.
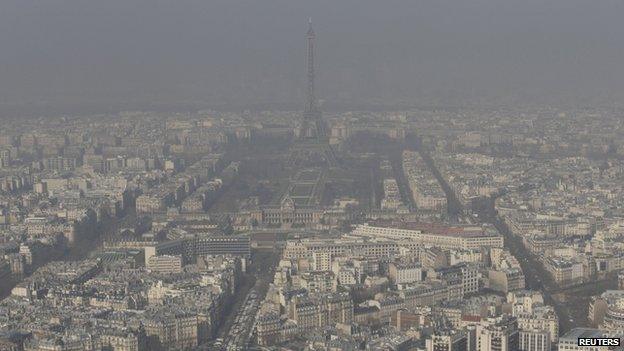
[219,245]
[499,334]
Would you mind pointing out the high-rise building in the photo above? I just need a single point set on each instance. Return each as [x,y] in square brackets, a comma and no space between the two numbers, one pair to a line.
[535,340]
[447,341]
[171,330]
[321,310]
[498,334]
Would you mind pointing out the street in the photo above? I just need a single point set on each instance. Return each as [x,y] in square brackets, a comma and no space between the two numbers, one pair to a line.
[571,304]
[237,329]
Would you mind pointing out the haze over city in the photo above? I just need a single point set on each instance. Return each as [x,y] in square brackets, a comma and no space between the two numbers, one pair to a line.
[244,53]
[316,176]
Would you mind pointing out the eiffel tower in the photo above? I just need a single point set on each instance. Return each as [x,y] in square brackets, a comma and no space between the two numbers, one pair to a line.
[312,144]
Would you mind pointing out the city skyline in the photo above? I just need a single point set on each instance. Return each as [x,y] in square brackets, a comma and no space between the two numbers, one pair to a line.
[414,178]
[220,54]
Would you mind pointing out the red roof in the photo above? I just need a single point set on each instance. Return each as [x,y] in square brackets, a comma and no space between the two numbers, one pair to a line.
[469,318]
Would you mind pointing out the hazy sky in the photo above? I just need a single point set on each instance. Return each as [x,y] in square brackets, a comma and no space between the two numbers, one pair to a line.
[231,51]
